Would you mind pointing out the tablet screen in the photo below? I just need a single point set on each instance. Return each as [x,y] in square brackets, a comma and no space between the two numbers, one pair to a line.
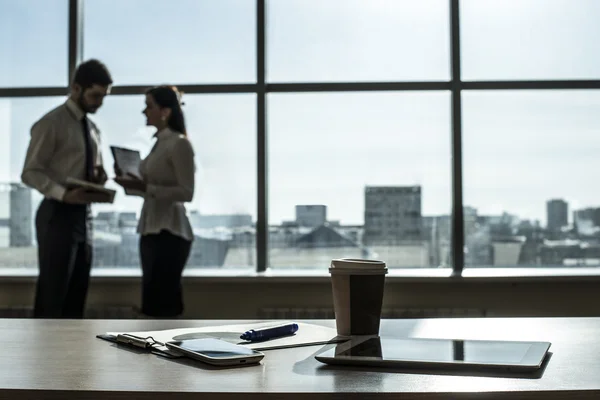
[445,351]
[441,350]
[127,160]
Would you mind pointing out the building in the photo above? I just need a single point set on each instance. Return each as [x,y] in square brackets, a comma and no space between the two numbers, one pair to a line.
[115,221]
[392,215]
[107,219]
[4,215]
[569,252]
[128,220]
[6,122]
[436,232]
[508,251]
[557,211]
[586,222]
[311,215]
[21,216]
[200,221]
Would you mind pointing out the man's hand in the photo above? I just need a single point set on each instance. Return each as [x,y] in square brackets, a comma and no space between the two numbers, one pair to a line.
[100,176]
[84,196]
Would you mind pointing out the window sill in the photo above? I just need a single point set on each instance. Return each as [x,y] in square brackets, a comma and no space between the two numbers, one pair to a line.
[426,275]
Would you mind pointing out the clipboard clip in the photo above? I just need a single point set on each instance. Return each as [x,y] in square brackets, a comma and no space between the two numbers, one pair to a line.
[135,340]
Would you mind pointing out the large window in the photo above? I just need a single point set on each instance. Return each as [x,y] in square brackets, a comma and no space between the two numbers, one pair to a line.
[359,175]
[530,167]
[222,130]
[356,40]
[182,41]
[222,213]
[529,39]
[428,134]
[17,202]
[33,43]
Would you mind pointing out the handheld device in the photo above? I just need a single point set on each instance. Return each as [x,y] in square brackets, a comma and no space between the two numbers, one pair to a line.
[127,160]
[216,351]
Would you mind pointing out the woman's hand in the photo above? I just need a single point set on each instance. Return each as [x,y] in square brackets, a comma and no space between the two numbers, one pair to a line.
[131,182]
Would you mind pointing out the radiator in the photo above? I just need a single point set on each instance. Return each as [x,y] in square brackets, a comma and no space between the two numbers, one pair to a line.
[327,313]
[103,312]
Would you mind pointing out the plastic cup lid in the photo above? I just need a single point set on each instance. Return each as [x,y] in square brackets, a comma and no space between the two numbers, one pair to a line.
[357,263]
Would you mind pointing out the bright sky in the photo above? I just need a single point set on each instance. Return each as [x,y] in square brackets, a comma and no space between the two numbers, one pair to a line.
[520,147]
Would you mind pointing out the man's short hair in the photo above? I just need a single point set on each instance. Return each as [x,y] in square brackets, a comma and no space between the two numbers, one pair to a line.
[92,72]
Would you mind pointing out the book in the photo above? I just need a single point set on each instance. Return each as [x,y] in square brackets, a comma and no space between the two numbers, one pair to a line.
[307,335]
[73,183]
[127,160]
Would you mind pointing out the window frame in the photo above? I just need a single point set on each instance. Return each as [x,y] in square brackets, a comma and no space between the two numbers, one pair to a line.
[261,87]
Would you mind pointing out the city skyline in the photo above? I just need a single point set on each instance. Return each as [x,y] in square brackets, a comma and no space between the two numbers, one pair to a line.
[394,230]
[7,189]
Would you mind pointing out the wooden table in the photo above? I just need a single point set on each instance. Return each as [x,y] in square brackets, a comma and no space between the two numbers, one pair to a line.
[54,359]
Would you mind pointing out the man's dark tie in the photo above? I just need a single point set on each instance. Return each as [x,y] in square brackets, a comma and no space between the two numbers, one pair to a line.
[85,227]
[89,156]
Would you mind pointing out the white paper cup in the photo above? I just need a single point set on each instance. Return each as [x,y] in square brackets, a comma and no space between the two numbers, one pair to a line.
[357,287]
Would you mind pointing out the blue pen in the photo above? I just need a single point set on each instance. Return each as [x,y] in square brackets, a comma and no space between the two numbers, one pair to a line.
[257,335]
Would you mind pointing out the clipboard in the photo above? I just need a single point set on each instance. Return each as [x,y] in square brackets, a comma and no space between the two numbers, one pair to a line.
[307,335]
[72,183]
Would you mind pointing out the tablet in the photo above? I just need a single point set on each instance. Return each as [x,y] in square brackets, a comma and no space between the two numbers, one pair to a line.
[127,160]
[437,353]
